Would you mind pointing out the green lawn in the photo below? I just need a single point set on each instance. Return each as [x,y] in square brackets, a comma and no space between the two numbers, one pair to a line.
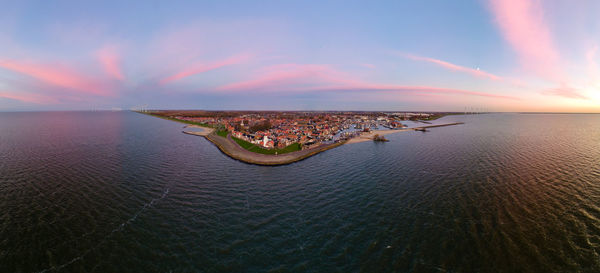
[256,149]
[222,133]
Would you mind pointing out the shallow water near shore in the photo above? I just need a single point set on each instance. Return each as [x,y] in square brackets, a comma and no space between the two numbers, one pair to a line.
[121,191]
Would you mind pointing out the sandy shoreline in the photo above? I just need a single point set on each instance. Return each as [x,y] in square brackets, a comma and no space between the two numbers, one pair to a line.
[205,130]
[369,136]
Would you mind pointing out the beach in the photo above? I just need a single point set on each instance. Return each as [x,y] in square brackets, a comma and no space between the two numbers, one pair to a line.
[205,130]
[368,136]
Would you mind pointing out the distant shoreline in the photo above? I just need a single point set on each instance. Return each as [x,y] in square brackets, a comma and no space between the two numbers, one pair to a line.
[232,149]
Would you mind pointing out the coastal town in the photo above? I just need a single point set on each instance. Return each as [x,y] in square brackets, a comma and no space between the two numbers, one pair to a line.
[278,130]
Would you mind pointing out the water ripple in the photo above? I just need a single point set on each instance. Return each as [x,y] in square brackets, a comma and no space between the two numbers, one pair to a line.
[501,193]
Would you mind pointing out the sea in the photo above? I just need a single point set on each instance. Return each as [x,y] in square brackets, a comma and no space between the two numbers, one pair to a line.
[127,192]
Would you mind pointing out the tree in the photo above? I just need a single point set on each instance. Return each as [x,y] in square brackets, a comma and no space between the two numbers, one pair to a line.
[379,138]
[262,126]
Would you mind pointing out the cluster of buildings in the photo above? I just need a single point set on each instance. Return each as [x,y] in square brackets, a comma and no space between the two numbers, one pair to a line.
[278,130]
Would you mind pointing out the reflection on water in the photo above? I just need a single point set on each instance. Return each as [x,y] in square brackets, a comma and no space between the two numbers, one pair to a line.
[114,191]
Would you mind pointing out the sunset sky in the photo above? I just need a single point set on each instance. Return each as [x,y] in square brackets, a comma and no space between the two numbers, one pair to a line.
[495,55]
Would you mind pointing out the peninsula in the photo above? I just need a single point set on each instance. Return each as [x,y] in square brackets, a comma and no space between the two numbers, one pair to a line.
[278,138]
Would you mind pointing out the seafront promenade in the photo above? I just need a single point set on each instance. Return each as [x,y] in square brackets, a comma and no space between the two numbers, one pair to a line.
[229,147]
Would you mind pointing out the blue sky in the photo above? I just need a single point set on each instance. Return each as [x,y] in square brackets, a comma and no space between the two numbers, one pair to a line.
[300,55]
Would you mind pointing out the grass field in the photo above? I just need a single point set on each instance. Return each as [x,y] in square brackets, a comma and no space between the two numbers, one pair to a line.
[222,133]
[256,149]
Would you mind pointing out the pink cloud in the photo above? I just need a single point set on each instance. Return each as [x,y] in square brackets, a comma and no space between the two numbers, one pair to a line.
[593,71]
[57,76]
[315,78]
[29,98]
[110,61]
[419,89]
[285,75]
[523,25]
[454,67]
[564,91]
[201,68]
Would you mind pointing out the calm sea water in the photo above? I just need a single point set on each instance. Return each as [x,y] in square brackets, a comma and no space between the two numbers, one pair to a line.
[121,191]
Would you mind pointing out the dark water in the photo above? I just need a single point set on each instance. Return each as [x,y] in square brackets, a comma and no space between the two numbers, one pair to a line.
[124,192]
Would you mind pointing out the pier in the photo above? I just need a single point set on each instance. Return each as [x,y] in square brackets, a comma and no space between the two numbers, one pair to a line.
[424,128]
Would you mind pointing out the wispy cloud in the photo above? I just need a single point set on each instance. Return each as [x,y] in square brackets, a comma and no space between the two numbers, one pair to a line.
[58,76]
[369,66]
[420,89]
[523,25]
[203,67]
[319,78]
[475,72]
[566,92]
[593,71]
[285,76]
[110,61]
[28,98]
